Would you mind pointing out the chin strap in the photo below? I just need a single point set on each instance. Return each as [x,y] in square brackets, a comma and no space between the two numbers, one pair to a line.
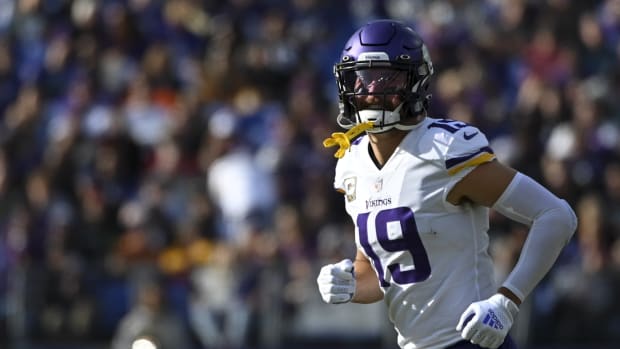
[343,139]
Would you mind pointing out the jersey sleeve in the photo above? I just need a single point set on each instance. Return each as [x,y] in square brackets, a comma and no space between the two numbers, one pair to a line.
[462,148]
[468,148]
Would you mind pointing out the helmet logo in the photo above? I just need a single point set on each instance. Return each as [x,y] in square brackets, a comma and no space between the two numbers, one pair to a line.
[370,56]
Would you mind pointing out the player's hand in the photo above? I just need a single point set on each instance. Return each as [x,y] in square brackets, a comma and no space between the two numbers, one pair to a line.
[337,282]
[487,322]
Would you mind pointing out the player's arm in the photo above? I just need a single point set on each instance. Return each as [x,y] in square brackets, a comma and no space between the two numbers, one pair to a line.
[483,186]
[552,223]
[367,288]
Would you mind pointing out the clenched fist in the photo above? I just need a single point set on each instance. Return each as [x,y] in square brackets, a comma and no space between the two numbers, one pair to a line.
[487,322]
[337,282]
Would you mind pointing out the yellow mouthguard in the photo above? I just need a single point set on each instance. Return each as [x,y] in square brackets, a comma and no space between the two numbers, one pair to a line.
[343,140]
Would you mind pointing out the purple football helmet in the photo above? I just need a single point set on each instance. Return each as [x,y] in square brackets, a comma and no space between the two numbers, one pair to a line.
[383,76]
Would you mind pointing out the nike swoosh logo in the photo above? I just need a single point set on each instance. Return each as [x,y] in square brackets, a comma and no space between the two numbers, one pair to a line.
[468,137]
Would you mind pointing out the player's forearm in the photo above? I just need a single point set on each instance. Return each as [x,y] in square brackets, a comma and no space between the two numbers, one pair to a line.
[367,288]
[548,235]
[553,223]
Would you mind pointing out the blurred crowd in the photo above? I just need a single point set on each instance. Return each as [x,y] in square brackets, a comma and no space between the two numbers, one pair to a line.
[162,175]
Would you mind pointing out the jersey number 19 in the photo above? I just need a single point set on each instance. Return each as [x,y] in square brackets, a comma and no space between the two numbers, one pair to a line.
[409,241]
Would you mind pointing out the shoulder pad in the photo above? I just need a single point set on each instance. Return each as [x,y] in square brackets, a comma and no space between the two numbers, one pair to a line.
[462,144]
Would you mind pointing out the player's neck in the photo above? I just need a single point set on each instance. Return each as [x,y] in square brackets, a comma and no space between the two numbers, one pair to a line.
[383,145]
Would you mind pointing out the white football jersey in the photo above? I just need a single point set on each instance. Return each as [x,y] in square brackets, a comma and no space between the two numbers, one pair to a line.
[430,256]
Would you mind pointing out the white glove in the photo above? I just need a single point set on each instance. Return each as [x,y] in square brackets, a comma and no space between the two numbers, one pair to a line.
[337,282]
[487,322]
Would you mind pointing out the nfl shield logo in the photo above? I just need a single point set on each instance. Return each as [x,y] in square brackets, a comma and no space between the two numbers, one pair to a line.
[378,185]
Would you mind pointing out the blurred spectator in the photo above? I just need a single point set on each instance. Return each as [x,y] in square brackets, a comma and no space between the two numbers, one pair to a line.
[219,313]
[150,318]
[241,186]
[585,287]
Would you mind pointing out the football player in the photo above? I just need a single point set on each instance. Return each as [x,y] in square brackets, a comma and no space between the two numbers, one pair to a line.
[419,191]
